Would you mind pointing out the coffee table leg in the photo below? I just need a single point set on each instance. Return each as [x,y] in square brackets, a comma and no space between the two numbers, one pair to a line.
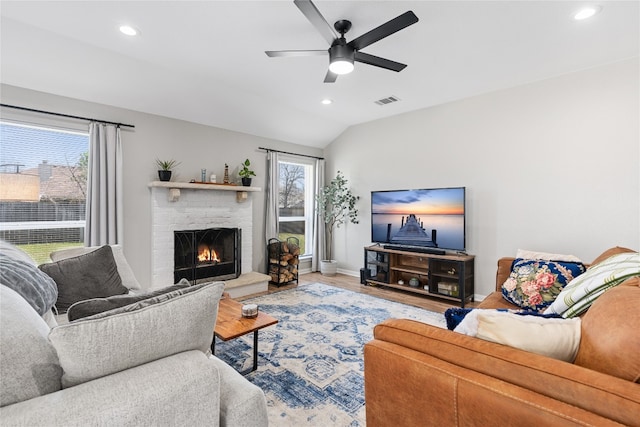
[255,355]
[255,350]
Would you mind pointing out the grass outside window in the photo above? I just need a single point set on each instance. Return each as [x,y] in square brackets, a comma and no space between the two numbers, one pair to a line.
[40,251]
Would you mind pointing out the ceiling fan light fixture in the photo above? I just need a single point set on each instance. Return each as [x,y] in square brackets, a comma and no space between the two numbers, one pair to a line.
[341,67]
[341,59]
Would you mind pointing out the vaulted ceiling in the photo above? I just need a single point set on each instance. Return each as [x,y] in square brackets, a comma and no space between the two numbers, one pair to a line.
[204,61]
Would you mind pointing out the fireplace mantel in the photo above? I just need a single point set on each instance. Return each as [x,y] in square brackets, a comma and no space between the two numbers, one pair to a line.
[175,187]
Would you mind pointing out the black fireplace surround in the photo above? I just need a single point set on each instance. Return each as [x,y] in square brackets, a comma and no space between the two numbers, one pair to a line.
[203,255]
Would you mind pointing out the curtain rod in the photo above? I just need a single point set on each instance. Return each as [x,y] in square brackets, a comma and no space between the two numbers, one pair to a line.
[65,115]
[294,154]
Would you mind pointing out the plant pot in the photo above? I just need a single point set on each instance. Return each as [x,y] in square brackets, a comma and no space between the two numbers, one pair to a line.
[246,182]
[164,175]
[328,267]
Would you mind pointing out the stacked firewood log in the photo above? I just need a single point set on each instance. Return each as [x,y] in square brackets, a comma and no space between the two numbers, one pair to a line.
[283,261]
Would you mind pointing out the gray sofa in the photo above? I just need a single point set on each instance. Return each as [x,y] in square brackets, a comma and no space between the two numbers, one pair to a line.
[144,366]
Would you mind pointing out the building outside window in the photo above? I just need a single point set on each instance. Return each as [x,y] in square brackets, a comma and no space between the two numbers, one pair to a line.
[43,185]
[296,201]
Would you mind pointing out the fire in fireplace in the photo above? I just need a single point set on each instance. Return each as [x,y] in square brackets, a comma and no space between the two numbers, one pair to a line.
[211,254]
[207,255]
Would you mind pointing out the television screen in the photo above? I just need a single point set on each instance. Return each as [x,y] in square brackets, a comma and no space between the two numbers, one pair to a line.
[430,218]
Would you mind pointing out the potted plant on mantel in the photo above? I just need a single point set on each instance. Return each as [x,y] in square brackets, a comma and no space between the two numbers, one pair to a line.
[336,205]
[246,173]
[164,168]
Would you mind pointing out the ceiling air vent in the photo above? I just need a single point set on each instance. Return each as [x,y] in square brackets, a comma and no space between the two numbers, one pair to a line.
[387,100]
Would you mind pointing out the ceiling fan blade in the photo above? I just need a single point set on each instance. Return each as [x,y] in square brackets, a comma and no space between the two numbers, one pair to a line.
[384,30]
[330,77]
[314,16]
[290,53]
[376,61]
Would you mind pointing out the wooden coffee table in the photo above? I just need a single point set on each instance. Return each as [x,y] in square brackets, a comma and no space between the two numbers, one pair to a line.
[230,324]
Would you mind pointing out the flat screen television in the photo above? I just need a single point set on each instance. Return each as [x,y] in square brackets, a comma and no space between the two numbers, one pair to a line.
[426,218]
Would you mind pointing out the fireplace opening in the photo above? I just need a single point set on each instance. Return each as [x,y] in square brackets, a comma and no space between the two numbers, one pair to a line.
[211,254]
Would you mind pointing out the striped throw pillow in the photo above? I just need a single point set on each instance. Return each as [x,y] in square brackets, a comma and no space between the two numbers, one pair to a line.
[582,291]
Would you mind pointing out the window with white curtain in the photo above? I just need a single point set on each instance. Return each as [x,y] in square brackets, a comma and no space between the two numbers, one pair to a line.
[43,185]
[296,200]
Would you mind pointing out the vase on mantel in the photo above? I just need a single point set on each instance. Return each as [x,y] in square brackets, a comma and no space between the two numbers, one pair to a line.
[164,175]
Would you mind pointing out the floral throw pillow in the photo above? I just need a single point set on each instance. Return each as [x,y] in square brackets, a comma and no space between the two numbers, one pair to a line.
[535,284]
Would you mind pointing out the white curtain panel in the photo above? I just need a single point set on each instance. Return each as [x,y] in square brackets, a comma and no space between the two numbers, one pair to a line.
[272,197]
[104,186]
[319,231]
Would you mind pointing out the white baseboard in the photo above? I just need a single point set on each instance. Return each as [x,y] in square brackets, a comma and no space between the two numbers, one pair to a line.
[349,272]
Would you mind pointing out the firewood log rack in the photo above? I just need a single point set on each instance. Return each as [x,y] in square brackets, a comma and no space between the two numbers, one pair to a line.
[283,260]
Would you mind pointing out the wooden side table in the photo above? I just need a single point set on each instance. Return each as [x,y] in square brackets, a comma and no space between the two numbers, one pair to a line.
[230,324]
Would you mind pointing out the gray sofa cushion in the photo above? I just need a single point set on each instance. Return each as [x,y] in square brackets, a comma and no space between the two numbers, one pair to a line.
[93,275]
[180,390]
[93,306]
[28,363]
[120,339]
[20,273]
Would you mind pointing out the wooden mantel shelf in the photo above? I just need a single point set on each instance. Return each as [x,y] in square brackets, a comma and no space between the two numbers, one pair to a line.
[175,187]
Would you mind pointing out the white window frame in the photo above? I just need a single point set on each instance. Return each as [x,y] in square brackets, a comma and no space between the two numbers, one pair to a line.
[46,124]
[309,198]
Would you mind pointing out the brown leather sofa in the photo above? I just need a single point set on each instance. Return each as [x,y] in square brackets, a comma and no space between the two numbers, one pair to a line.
[421,375]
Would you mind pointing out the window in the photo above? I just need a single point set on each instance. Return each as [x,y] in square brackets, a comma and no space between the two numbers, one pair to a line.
[296,201]
[43,184]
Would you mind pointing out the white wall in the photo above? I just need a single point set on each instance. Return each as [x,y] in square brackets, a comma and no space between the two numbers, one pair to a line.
[195,146]
[550,166]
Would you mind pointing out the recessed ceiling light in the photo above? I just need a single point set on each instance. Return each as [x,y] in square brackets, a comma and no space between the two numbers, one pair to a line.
[327,101]
[586,12]
[128,30]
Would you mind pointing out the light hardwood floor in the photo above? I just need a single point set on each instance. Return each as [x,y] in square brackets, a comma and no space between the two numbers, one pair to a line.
[353,284]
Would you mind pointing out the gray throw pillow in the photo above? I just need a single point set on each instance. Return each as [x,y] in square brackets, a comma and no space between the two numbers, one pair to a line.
[19,272]
[161,297]
[89,307]
[106,343]
[93,275]
[124,269]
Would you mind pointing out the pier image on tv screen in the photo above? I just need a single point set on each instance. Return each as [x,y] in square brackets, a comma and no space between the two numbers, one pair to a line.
[427,218]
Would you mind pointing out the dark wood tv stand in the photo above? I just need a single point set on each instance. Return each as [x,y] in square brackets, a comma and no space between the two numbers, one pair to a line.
[449,277]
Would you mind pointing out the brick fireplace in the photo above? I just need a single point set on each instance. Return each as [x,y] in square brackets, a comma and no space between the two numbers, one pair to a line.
[195,207]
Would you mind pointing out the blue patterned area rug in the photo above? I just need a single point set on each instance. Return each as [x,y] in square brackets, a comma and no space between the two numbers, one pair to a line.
[310,364]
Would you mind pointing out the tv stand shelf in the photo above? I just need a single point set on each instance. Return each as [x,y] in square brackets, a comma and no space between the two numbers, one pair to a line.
[448,277]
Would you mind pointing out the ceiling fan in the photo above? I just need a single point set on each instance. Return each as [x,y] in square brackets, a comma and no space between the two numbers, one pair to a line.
[342,54]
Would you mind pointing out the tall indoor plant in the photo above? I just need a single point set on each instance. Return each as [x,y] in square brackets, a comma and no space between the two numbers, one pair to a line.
[336,206]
